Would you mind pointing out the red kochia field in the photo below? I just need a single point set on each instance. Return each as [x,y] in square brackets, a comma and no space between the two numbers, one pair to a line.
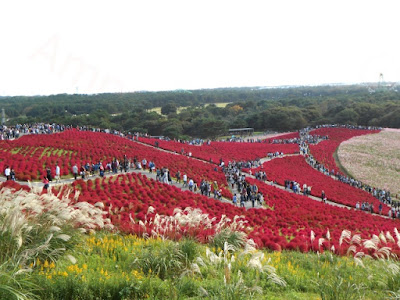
[227,151]
[29,155]
[286,224]
[295,168]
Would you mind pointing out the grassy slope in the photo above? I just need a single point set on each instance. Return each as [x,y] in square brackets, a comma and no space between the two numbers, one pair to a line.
[111,266]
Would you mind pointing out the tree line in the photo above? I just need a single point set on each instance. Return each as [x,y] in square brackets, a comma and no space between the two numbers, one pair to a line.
[264,109]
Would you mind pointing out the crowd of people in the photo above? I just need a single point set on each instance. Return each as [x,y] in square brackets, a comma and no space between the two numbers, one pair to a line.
[348,126]
[245,191]
[14,132]
[271,155]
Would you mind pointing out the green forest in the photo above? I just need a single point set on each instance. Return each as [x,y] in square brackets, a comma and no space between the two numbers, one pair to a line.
[264,109]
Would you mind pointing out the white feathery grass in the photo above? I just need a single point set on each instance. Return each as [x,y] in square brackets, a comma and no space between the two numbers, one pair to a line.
[328,235]
[396,232]
[375,239]
[390,237]
[19,241]
[22,271]
[370,244]
[393,268]
[214,259]
[351,249]
[29,217]
[200,261]
[195,268]
[255,261]
[312,236]
[64,237]
[228,247]
[359,262]
[142,224]
[203,292]
[359,254]
[383,252]
[185,221]
[382,237]
[346,235]
[99,205]
[356,239]
[150,210]
[320,241]
[71,259]
[276,279]
[54,229]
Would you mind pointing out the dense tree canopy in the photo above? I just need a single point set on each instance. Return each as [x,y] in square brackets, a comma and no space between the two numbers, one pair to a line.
[263,109]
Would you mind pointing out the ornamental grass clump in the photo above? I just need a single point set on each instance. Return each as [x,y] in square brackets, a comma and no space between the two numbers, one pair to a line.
[35,227]
[231,261]
[195,224]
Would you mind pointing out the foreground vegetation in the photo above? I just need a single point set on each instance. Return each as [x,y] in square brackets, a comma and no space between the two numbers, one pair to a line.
[111,266]
[44,255]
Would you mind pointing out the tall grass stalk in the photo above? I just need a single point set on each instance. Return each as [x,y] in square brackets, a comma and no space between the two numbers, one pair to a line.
[35,227]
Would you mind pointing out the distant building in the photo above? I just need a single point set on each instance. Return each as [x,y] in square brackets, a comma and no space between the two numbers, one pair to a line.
[241,131]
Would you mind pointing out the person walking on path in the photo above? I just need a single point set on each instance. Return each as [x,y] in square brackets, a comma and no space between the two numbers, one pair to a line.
[58,173]
[7,172]
[323,196]
[234,199]
[191,184]
[46,183]
[48,174]
[75,171]
[253,199]
[178,176]
[242,199]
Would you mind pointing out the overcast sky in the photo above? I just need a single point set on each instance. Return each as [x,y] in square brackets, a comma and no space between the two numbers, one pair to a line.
[50,47]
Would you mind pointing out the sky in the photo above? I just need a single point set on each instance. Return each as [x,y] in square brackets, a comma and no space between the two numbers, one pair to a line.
[87,47]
